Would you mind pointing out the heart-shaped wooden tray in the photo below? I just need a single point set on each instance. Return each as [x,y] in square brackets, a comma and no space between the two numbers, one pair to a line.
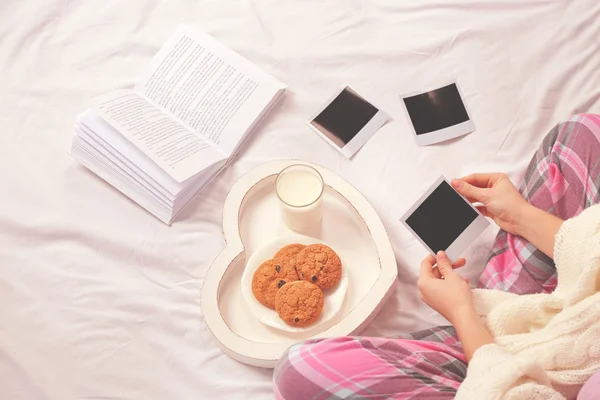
[251,218]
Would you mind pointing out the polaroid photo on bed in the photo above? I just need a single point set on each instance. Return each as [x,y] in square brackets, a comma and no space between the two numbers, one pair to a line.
[347,121]
[438,115]
[444,220]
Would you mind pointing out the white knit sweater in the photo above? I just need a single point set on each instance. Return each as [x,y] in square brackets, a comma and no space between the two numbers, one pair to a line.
[545,345]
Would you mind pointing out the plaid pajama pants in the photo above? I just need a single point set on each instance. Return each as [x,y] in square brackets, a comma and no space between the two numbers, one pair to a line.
[563,178]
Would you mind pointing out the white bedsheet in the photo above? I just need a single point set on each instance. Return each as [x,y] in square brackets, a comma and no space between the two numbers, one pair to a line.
[99,300]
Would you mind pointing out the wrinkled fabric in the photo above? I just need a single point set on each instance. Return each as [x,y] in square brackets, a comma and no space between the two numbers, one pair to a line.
[98,299]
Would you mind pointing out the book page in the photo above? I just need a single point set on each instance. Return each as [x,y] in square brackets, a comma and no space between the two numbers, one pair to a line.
[208,87]
[177,150]
[109,140]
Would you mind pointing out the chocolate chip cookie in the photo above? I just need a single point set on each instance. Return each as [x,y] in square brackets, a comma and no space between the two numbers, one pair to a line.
[291,250]
[299,303]
[287,254]
[320,265]
[269,278]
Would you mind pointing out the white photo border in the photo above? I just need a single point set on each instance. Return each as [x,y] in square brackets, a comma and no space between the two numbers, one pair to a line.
[441,135]
[363,136]
[467,236]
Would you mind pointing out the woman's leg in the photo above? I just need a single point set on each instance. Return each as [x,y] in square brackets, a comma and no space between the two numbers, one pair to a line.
[563,178]
[428,364]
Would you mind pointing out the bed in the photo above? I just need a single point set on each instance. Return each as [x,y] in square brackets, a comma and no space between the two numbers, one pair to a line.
[100,300]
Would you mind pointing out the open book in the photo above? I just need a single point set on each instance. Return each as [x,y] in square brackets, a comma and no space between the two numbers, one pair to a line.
[163,141]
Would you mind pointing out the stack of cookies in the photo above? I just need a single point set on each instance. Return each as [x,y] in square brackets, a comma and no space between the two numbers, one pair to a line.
[292,283]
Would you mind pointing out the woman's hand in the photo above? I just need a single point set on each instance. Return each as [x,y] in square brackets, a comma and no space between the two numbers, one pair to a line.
[500,198]
[450,295]
[443,289]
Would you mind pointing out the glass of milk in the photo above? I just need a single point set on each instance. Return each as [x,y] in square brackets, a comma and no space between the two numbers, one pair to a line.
[300,191]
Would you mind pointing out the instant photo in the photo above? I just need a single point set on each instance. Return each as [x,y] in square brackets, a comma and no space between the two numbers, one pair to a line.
[438,115]
[443,220]
[347,121]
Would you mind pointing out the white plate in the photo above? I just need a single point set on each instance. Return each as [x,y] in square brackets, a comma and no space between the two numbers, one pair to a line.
[334,297]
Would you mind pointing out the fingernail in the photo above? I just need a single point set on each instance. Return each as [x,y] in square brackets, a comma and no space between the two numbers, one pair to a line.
[440,254]
[455,183]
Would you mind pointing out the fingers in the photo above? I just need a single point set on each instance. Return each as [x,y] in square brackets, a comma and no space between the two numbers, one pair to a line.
[471,200]
[459,263]
[443,264]
[483,211]
[485,180]
[472,193]
[427,266]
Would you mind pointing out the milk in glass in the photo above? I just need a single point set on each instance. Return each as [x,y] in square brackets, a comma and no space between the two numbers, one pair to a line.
[300,191]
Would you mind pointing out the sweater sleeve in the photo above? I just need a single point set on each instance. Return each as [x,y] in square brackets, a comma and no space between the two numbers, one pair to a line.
[496,374]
